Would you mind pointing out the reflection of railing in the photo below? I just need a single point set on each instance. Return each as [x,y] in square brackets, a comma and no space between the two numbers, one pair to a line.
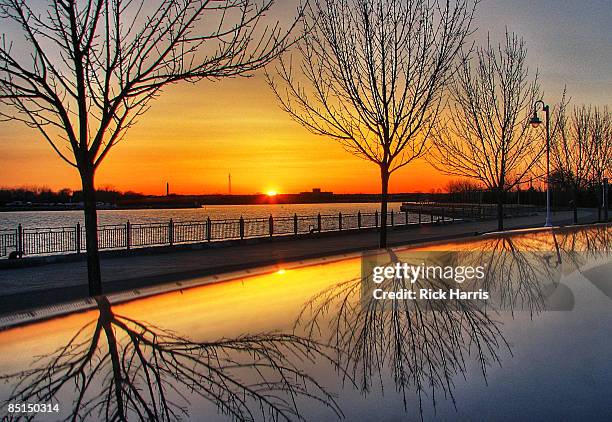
[59,240]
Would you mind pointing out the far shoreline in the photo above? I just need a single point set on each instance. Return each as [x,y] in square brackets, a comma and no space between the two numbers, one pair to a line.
[203,201]
[203,206]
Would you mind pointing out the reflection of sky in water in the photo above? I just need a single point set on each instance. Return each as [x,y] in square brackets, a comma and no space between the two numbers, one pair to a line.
[556,365]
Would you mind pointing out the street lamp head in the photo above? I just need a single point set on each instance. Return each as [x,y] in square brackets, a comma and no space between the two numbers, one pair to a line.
[535,120]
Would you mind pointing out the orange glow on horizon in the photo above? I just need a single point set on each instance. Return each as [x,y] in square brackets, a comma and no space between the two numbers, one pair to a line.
[190,141]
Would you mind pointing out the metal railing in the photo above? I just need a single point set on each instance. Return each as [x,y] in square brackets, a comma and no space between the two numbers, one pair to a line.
[61,240]
[457,211]
[72,239]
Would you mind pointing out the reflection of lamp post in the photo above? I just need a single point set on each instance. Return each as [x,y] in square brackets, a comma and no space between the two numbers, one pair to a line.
[535,122]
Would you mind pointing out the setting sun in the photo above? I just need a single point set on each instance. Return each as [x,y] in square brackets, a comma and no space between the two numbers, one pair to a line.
[271,193]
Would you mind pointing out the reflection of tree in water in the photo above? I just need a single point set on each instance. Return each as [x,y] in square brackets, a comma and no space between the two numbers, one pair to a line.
[145,372]
[518,274]
[424,343]
[579,246]
[427,343]
[525,271]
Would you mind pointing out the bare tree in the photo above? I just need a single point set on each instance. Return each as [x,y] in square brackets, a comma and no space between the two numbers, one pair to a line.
[572,149]
[486,135]
[601,154]
[372,73]
[81,73]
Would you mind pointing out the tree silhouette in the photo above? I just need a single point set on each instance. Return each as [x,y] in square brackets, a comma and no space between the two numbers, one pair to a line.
[573,150]
[601,155]
[486,135]
[81,73]
[372,73]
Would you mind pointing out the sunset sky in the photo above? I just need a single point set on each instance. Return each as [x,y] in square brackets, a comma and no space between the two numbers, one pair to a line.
[194,135]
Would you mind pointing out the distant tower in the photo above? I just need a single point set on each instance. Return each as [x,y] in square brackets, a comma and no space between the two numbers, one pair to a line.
[229,183]
[167,189]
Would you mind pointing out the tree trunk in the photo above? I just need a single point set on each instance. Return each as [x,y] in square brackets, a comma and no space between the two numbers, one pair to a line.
[575,203]
[599,190]
[384,199]
[94,276]
[500,209]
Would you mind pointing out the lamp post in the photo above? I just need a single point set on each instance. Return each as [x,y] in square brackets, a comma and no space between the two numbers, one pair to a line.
[535,122]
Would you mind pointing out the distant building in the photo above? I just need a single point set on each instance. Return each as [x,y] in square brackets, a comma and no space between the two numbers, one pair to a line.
[315,195]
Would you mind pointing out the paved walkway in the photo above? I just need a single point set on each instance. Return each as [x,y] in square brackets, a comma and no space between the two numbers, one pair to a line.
[57,282]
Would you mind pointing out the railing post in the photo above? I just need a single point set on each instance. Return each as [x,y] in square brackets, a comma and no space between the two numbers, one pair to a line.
[376,218]
[358,219]
[208,229]
[420,207]
[319,222]
[405,218]
[392,220]
[443,215]
[171,232]
[77,240]
[271,225]
[241,222]
[20,246]
[127,235]
[339,221]
[295,224]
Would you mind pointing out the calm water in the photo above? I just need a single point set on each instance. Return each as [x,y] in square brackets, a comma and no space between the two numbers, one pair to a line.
[305,340]
[9,220]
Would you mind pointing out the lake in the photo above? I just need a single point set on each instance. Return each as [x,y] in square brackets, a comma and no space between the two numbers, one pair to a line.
[9,220]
